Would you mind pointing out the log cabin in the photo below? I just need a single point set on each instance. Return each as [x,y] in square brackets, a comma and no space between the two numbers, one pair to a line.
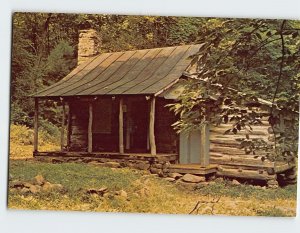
[114,112]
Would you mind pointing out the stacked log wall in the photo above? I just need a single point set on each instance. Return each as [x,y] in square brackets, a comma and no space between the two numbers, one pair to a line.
[79,126]
[226,151]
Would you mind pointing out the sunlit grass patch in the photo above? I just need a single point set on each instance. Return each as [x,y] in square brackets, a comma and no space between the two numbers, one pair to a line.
[145,193]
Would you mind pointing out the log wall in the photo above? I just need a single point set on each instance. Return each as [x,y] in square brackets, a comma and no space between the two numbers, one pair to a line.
[79,125]
[221,144]
[233,161]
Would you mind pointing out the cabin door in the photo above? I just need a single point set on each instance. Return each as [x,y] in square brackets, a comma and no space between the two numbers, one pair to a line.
[189,147]
[138,117]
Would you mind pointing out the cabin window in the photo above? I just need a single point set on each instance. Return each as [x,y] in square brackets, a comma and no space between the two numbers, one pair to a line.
[102,117]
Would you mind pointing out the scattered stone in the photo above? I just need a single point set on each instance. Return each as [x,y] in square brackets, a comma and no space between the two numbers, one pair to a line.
[166,165]
[47,187]
[24,191]
[273,184]
[165,170]
[27,185]
[235,182]
[175,175]
[219,180]
[113,164]
[157,171]
[187,186]
[38,184]
[35,189]
[142,166]
[192,178]
[16,184]
[158,165]
[170,179]
[38,180]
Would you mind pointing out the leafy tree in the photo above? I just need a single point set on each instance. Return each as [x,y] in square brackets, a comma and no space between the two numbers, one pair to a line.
[240,61]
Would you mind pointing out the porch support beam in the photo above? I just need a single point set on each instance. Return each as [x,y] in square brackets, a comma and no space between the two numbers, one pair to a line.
[204,146]
[36,124]
[69,126]
[62,130]
[121,127]
[151,127]
[90,128]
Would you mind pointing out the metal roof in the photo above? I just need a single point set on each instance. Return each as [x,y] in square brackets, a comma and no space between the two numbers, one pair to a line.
[147,71]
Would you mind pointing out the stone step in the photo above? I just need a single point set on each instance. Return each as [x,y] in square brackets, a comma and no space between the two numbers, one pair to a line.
[196,169]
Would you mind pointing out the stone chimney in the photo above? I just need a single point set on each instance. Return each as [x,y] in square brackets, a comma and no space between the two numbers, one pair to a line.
[88,45]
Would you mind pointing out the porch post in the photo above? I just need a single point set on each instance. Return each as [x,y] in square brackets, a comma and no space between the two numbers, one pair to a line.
[36,125]
[90,128]
[204,146]
[62,130]
[121,127]
[69,126]
[151,127]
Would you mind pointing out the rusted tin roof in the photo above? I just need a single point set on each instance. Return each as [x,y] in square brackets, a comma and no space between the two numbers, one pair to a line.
[147,71]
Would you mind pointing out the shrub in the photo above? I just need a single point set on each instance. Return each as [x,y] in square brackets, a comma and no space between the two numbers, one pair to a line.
[21,140]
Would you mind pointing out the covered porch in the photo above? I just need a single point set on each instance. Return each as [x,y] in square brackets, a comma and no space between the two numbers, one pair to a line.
[121,131]
[117,124]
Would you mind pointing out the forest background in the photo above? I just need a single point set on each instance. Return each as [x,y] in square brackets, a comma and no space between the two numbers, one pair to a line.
[258,57]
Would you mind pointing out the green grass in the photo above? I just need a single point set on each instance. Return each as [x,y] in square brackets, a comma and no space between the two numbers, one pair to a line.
[272,212]
[146,193]
[75,176]
[247,191]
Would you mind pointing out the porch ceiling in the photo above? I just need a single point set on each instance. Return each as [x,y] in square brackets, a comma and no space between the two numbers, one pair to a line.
[145,71]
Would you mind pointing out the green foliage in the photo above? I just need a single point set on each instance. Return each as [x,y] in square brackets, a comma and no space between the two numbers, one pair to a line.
[59,62]
[21,140]
[45,49]
[22,135]
[242,60]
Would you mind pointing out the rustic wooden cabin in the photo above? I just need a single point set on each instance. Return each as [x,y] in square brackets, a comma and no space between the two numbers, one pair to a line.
[114,112]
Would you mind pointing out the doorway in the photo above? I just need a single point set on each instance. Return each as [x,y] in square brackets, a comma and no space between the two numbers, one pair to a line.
[136,126]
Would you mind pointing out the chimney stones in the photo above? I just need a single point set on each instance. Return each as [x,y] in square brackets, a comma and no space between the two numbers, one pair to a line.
[88,45]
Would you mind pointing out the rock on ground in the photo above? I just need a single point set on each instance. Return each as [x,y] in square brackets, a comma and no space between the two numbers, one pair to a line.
[38,180]
[175,175]
[192,178]
[235,182]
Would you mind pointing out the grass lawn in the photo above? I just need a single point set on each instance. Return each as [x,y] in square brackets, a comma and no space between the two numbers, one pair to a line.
[145,193]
